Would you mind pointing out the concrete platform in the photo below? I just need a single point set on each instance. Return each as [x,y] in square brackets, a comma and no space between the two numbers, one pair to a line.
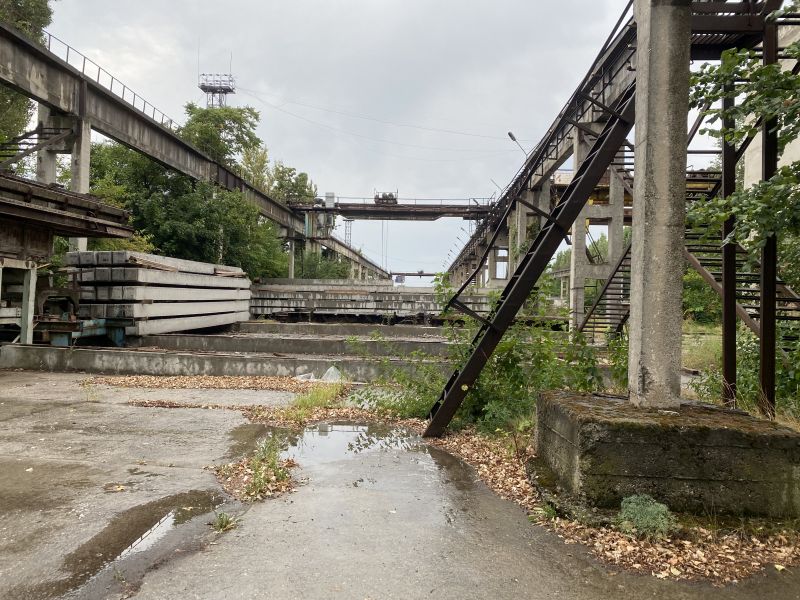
[298,344]
[389,522]
[345,329]
[699,458]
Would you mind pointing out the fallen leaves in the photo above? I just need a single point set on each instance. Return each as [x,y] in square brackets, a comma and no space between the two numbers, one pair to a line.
[207,382]
[237,479]
[698,553]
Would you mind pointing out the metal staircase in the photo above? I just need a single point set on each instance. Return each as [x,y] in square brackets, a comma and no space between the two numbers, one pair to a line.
[16,149]
[611,309]
[536,260]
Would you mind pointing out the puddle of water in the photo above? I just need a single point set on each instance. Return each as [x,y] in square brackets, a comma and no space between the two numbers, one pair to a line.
[128,533]
[330,442]
[245,438]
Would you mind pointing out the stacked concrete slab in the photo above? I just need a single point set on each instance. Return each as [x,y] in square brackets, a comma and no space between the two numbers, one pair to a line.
[157,293]
[351,298]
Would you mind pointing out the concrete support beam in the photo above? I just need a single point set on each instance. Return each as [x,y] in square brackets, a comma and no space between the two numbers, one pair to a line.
[662,103]
[579,263]
[28,306]
[80,170]
[46,159]
[292,250]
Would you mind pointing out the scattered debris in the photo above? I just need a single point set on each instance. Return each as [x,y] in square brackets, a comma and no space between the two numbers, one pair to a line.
[332,374]
[207,382]
[694,552]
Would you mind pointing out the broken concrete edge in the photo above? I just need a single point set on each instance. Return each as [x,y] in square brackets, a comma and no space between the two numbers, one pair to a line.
[696,459]
[117,361]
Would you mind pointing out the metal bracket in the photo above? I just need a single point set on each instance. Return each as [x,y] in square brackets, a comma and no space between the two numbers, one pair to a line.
[602,106]
[549,219]
[458,305]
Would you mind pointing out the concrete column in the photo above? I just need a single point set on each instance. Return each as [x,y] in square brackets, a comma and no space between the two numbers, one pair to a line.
[291,258]
[46,159]
[579,263]
[80,170]
[28,306]
[662,103]
[616,233]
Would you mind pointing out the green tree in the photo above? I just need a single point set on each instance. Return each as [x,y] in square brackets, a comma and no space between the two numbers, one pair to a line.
[255,166]
[223,133]
[178,217]
[30,17]
[286,184]
[317,266]
[765,91]
[212,225]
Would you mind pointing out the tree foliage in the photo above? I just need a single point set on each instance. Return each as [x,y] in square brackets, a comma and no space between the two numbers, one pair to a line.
[184,219]
[317,266]
[223,133]
[287,185]
[30,17]
[763,92]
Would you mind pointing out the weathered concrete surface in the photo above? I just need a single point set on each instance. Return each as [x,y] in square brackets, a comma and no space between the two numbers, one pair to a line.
[73,458]
[398,523]
[404,522]
[298,344]
[657,263]
[693,458]
[345,329]
[157,362]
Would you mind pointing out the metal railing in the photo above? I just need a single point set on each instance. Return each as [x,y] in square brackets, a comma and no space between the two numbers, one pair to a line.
[106,80]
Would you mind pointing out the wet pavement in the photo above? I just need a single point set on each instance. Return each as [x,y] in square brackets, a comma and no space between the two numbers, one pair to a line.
[99,499]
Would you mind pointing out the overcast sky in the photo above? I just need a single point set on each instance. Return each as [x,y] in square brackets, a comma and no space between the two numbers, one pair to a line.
[356,93]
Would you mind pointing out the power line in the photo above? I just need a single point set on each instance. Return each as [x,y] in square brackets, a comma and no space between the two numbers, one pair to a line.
[366,137]
[385,121]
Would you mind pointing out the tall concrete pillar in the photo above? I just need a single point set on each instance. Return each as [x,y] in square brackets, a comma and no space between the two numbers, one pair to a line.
[291,258]
[579,262]
[662,103]
[80,170]
[28,306]
[47,158]
[616,224]
[616,234]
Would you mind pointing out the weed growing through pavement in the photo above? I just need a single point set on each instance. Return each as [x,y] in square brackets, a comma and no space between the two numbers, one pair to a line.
[223,522]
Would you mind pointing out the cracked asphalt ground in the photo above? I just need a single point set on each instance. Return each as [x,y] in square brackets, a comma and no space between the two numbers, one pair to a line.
[99,499]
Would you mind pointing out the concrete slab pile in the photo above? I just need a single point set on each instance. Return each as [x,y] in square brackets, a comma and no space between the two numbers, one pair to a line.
[353,298]
[159,294]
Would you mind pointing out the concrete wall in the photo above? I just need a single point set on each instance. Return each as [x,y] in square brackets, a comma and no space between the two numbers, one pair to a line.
[137,362]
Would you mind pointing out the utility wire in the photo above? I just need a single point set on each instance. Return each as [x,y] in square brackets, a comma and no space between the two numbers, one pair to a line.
[385,121]
[366,137]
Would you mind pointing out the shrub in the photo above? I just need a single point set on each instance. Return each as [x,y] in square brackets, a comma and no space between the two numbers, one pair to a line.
[643,516]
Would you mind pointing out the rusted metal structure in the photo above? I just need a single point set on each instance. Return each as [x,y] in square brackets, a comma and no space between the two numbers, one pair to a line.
[399,210]
[606,95]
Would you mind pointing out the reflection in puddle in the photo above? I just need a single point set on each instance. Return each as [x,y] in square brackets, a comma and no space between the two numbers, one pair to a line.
[151,536]
[127,534]
[329,442]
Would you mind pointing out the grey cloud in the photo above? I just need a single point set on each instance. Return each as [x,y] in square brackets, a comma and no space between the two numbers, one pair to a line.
[476,66]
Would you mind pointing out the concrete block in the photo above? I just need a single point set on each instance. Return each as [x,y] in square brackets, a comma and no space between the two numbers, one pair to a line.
[695,458]
[188,323]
